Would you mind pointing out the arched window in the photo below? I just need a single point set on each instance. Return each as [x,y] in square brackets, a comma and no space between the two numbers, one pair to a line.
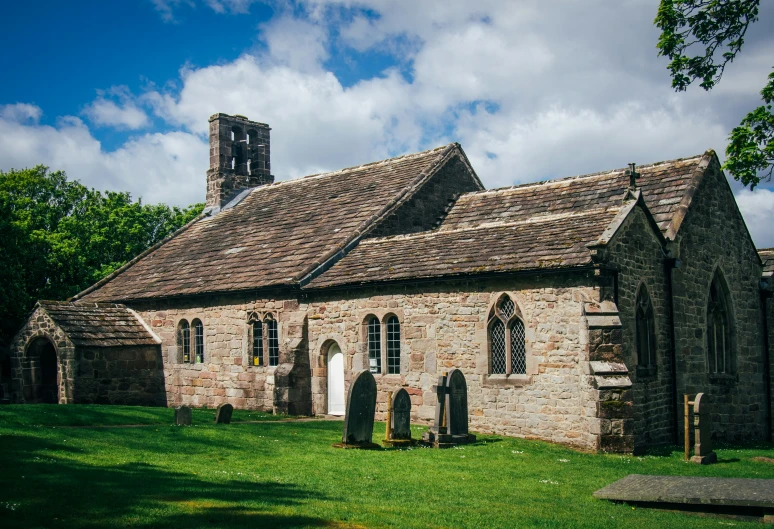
[720,326]
[273,340]
[257,353]
[374,329]
[198,331]
[645,330]
[507,347]
[184,341]
[393,345]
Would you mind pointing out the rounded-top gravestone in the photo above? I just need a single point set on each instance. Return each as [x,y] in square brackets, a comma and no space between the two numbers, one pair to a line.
[223,413]
[361,405]
[401,415]
[457,403]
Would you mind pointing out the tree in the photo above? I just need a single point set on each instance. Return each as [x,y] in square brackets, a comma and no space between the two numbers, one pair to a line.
[57,237]
[717,29]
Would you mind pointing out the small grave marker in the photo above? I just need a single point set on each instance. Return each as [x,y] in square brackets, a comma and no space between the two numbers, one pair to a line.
[359,418]
[451,413]
[400,420]
[183,416]
[223,413]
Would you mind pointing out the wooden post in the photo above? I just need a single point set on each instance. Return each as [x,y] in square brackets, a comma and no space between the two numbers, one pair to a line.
[388,426]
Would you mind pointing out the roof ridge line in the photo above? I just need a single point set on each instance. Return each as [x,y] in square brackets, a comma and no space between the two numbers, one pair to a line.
[574,177]
[685,203]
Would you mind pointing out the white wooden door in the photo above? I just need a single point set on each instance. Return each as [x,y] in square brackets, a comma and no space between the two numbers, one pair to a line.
[336,402]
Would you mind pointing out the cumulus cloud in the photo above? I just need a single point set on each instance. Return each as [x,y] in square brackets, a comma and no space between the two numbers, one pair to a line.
[21,112]
[122,114]
[757,207]
[157,167]
[231,6]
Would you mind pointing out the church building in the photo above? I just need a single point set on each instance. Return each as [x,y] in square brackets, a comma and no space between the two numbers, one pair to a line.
[580,310]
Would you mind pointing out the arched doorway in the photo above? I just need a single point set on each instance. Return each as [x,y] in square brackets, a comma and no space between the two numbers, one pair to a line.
[336,400]
[41,377]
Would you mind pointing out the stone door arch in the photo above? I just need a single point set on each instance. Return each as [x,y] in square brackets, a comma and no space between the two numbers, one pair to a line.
[336,393]
[41,372]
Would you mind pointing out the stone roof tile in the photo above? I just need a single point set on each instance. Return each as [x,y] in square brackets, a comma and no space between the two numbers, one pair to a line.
[98,324]
[767,256]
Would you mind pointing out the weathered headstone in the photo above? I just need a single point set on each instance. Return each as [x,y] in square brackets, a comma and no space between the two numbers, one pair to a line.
[359,418]
[223,413]
[183,416]
[702,421]
[401,415]
[451,413]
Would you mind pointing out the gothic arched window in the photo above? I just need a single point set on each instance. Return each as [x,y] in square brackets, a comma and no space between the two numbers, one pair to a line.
[184,341]
[645,329]
[257,353]
[374,331]
[720,326]
[507,348]
[272,337]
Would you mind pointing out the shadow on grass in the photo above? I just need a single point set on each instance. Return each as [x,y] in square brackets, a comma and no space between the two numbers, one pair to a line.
[44,486]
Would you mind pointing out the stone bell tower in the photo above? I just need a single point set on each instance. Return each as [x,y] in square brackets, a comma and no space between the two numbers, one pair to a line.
[239,158]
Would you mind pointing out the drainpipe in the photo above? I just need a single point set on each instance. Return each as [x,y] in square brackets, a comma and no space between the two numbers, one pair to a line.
[670,265]
[765,295]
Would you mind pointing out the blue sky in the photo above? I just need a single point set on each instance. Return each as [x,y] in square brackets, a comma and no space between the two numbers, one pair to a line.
[118,93]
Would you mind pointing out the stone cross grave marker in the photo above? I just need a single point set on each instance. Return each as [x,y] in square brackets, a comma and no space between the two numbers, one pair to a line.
[183,416]
[702,421]
[359,418]
[401,415]
[223,413]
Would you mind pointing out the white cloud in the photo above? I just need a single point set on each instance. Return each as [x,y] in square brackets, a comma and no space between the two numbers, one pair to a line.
[296,43]
[758,210]
[167,8]
[157,167]
[231,6]
[21,112]
[124,114]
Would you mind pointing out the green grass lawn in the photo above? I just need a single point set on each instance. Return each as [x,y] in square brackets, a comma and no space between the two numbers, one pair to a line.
[286,474]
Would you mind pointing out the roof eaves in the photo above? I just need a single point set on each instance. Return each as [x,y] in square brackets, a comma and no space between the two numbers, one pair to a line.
[131,263]
[334,255]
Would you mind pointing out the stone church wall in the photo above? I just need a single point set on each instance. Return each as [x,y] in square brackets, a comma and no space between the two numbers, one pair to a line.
[713,236]
[444,325]
[225,375]
[637,255]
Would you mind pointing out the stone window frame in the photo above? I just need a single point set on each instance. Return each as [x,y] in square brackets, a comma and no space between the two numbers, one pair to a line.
[181,342]
[267,344]
[383,316]
[722,311]
[645,332]
[378,347]
[488,378]
[198,348]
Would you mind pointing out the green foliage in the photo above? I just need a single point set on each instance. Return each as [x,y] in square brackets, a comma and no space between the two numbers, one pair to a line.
[285,474]
[717,29]
[57,237]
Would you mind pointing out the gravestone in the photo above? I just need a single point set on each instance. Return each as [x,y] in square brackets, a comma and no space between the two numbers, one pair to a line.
[702,421]
[401,415]
[182,416]
[359,418]
[451,413]
[223,414]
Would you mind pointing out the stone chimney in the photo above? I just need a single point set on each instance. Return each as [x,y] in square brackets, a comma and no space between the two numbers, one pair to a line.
[239,158]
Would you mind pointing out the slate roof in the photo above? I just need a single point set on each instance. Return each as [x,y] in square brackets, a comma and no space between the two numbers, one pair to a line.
[542,225]
[276,235]
[767,257]
[98,324]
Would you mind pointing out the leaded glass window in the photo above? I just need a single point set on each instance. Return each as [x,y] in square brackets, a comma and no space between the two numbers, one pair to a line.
[198,341]
[184,340]
[507,339]
[393,345]
[257,359]
[719,330]
[645,330]
[273,339]
[374,345]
